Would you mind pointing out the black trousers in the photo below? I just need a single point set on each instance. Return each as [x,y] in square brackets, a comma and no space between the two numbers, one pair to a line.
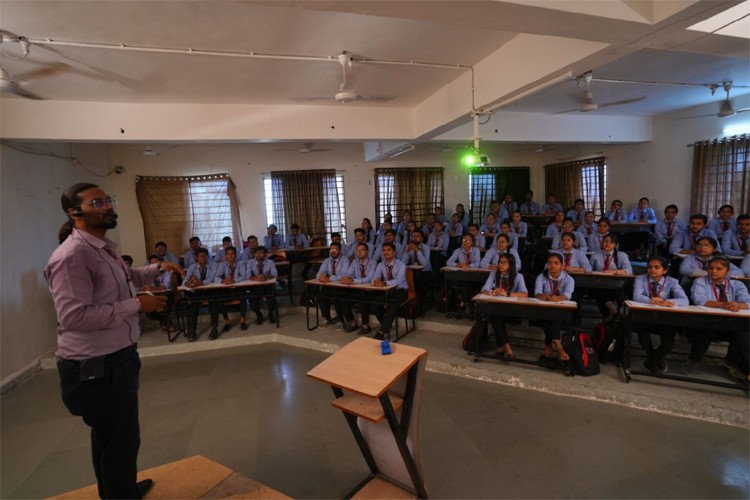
[666,336]
[324,301]
[501,332]
[399,296]
[109,405]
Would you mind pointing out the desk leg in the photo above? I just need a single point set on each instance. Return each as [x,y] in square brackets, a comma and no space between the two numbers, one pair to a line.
[307,308]
[400,437]
[627,342]
[276,306]
[358,437]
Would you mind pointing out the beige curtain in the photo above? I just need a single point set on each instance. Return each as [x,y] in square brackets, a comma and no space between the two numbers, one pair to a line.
[720,176]
[577,179]
[418,190]
[176,208]
[300,196]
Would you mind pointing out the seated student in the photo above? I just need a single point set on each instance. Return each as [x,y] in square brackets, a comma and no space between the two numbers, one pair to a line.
[745,266]
[529,206]
[496,210]
[360,272]
[610,261]
[465,257]
[519,227]
[505,282]
[438,240]
[658,289]
[684,241]
[577,212]
[294,239]
[552,207]
[554,285]
[429,225]
[248,253]
[227,273]
[717,290]
[390,237]
[567,227]
[594,242]
[643,213]
[417,253]
[463,217]
[556,227]
[439,215]
[479,241]
[359,237]
[260,269]
[574,259]
[272,240]
[737,243]
[723,222]
[589,226]
[405,220]
[454,228]
[199,274]
[411,228]
[370,233]
[385,226]
[332,270]
[667,228]
[696,264]
[128,260]
[390,271]
[190,257]
[508,205]
[491,257]
[512,237]
[160,250]
[490,229]
[226,242]
[616,213]
[165,281]
[336,237]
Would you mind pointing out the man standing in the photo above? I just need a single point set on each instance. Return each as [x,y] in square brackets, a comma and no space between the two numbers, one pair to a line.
[97,313]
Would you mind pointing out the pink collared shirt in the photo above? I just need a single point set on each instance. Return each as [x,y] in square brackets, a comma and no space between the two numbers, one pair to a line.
[96,311]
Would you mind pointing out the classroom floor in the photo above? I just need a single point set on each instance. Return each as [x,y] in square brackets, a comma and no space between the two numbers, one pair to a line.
[487,430]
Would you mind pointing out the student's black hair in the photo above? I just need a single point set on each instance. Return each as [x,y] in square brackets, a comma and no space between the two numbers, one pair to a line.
[127,258]
[152,256]
[702,217]
[459,205]
[232,248]
[579,199]
[569,234]
[388,244]
[363,244]
[503,235]
[273,226]
[474,225]
[335,244]
[493,202]
[616,201]
[671,205]
[334,234]
[605,219]
[725,206]
[568,219]
[200,251]
[160,244]
[644,198]
[71,199]
[512,272]
[529,191]
[252,237]
[711,241]
[406,212]
[743,217]
[194,238]
[615,252]
[294,226]
[557,256]
[260,248]
[226,239]
[661,261]
[359,230]
[720,258]
[588,212]
[516,212]
[391,231]
[469,235]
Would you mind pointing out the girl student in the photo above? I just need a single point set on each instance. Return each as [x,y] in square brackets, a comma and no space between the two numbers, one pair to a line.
[658,289]
[717,290]
[667,228]
[505,228]
[553,285]
[609,261]
[574,259]
[616,213]
[492,256]
[643,213]
[568,227]
[463,216]
[467,256]
[588,227]
[520,229]
[505,282]
[595,240]
[490,229]
[556,225]
[370,233]
[696,264]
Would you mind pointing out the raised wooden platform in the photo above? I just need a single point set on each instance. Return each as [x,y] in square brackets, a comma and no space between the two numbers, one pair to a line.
[194,477]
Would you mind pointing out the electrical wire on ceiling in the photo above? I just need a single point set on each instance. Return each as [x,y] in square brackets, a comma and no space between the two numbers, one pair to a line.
[39,152]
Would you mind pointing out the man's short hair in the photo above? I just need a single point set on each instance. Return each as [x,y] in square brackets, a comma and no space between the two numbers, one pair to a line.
[226,239]
[201,250]
[335,244]
[260,248]
[194,238]
[160,244]
[363,244]
[359,230]
[334,234]
[294,226]
[702,217]
[230,248]
[389,245]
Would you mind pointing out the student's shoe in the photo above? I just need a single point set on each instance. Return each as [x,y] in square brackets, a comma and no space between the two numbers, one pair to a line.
[192,337]
[351,327]
[214,333]
[227,327]
[339,325]
[144,486]
[364,330]
[735,372]
[243,326]
[689,366]
[544,360]
[649,365]
[381,334]
[662,366]
[271,318]
[259,318]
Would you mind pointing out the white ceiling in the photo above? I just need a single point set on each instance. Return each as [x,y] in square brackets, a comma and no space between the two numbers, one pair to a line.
[639,40]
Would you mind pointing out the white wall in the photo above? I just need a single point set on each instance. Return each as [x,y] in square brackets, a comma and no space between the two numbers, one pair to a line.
[30,216]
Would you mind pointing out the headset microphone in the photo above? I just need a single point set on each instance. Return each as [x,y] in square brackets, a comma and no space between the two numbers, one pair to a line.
[77,213]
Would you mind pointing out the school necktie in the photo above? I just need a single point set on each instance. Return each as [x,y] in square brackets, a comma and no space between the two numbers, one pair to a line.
[703,264]
[361,270]
[617,216]
[505,282]
[588,231]
[231,273]
[743,243]
[669,229]
[724,226]
[389,271]
[467,257]
[260,268]
[333,267]
[722,292]
[202,270]
[654,289]
[518,229]
[607,258]
[555,287]
[294,241]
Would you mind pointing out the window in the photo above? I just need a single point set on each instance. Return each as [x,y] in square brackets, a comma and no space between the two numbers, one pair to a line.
[590,187]
[493,183]
[297,197]
[418,190]
[720,176]
[585,179]
[177,208]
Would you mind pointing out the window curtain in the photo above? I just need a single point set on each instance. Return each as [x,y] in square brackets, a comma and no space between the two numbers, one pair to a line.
[303,197]
[720,176]
[174,209]
[583,179]
[418,190]
[493,183]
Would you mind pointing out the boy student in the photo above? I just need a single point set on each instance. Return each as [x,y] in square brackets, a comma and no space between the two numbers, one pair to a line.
[529,206]
[390,271]
[294,239]
[226,242]
[643,213]
[588,227]
[199,274]
[359,272]
[226,273]
[385,226]
[668,227]
[190,256]
[551,207]
[163,255]
[567,227]
[520,229]
[429,225]
[272,240]
[417,253]
[465,257]
[658,289]
[684,241]
[390,237]
[440,216]
[724,221]
[556,226]
[505,282]
[248,252]
[498,211]
[261,269]
[616,213]
[577,212]
[479,241]
[737,243]
[717,290]
[508,205]
[331,271]
[359,237]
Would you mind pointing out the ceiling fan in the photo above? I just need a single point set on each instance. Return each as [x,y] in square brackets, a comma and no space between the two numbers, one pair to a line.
[580,155]
[726,108]
[541,148]
[347,93]
[307,147]
[15,86]
[150,151]
[587,103]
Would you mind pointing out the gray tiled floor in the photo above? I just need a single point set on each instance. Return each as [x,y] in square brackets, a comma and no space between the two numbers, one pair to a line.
[253,409]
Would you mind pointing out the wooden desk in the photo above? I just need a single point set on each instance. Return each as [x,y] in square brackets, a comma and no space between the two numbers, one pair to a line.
[237,291]
[632,227]
[602,280]
[372,390]
[522,308]
[699,317]
[742,279]
[458,275]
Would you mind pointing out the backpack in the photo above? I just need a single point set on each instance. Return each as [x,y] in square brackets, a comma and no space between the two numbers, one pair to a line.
[583,359]
[607,339]
[470,339]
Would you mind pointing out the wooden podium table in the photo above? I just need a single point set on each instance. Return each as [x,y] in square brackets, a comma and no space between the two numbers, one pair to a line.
[379,396]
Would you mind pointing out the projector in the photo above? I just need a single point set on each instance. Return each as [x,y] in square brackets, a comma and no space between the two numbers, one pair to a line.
[483,161]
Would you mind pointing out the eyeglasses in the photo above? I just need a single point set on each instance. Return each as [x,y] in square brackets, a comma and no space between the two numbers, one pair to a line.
[101,203]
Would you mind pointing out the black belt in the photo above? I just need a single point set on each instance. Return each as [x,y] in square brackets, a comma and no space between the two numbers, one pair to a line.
[106,356]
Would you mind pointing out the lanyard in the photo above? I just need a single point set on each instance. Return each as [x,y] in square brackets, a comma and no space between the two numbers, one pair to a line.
[363,267]
[658,291]
[718,294]
[606,259]
[504,283]
[567,257]
[389,271]
[467,257]
[554,286]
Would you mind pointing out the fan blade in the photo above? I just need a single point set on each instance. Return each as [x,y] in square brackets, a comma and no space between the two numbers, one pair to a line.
[28,95]
[566,111]
[42,73]
[624,101]
[379,98]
